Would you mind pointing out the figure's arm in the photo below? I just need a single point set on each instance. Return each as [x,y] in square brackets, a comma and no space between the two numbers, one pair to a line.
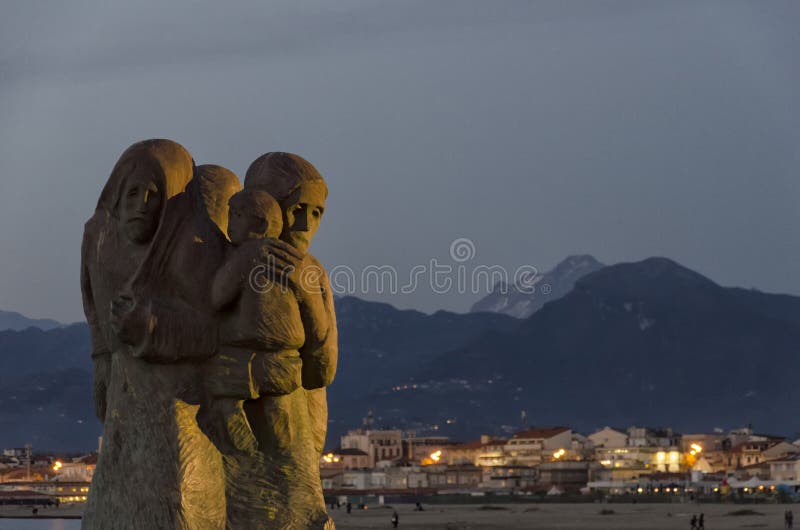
[168,316]
[166,329]
[101,355]
[321,350]
[228,281]
[171,330]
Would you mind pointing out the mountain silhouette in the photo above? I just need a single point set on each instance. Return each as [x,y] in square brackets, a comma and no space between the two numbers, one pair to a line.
[518,302]
[645,343]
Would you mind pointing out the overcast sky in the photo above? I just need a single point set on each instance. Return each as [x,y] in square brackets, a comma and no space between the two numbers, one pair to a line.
[536,129]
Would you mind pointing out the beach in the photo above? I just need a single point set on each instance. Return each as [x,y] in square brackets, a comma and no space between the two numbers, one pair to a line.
[564,516]
[506,516]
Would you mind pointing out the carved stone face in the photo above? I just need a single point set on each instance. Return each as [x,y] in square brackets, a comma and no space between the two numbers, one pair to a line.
[140,205]
[243,225]
[302,212]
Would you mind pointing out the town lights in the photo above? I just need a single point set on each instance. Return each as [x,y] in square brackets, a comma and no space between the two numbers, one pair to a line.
[57,465]
[558,454]
[330,458]
[432,458]
[694,450]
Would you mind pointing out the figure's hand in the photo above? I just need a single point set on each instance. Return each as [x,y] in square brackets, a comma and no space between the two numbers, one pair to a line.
[280,261]
[276,374]
[128,319]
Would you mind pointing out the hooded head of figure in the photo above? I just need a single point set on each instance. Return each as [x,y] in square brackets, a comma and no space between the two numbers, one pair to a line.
[217,185]
[299,189]
[146,175]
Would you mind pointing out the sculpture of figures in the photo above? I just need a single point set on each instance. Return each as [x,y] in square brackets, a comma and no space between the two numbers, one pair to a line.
[290,428]
[117,237]
[156,468]
[279,349]
[211,354]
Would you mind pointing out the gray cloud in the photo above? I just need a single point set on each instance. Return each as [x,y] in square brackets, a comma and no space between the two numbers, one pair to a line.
[537,129]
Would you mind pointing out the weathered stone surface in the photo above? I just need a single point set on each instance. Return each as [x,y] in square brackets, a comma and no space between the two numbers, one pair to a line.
[281,324]
[211,353]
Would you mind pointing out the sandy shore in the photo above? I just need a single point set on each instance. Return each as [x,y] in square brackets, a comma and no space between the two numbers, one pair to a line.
[527,516]
[566,517]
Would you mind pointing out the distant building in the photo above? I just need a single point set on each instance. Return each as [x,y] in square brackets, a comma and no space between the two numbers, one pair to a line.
[609,438]
[406,477]
[509,478]
[363,479]
[345,459]
[64,492]
[747,453]
[759,471]
[8,462]
[492,452]
[582,448]
[669,484]
[487,451]
[332,479]
[21,474]
[379,445]
[650,437]
[464,453]
[566,476]
[669,460]
[454,477]
[420,448]
[78,470]
[708,442]
[534,446]
[779,450]
[785,469]
[639,460]
[18,454]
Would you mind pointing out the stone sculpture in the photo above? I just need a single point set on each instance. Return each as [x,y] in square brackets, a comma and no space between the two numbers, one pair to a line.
[211,354]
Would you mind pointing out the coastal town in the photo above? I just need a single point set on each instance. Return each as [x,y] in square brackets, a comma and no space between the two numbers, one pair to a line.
[370,465]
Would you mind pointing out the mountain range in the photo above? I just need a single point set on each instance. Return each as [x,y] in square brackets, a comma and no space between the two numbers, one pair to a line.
[520,302]
[646,343]
[18,322]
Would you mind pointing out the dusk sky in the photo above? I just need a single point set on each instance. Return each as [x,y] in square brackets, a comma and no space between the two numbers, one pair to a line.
[537,129]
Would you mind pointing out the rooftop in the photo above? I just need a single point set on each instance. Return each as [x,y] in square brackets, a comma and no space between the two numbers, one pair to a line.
[541,433]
